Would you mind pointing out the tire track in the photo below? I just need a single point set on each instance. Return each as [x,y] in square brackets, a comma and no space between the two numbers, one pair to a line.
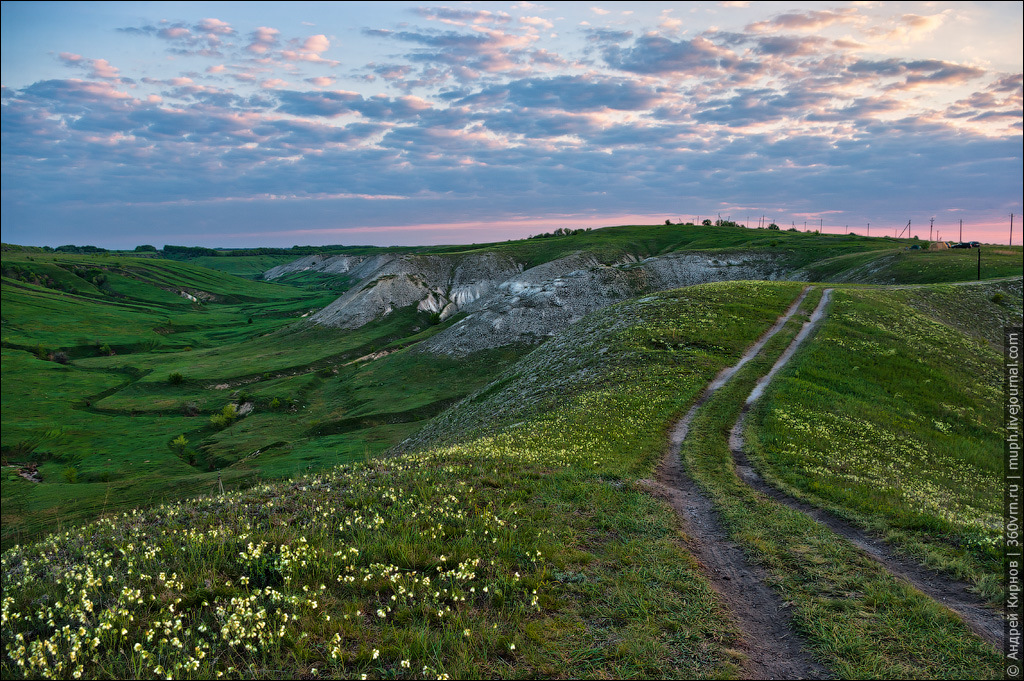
[951,593]
[771,648]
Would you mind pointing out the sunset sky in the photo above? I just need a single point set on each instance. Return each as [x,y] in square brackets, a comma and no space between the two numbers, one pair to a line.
[273,124]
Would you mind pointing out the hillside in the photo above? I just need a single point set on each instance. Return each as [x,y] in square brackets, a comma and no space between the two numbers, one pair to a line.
[396,510]
[526,543]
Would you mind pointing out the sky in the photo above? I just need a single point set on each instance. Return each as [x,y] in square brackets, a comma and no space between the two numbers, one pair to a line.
[403,123]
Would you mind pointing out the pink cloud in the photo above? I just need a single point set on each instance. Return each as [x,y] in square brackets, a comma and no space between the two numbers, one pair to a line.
[99,68]
[174,33]
[316,43]
[321,81]
[263,39]
[215,26]
[537,23]
[811,20]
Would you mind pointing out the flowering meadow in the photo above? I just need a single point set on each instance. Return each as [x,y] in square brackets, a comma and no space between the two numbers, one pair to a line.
[528,550]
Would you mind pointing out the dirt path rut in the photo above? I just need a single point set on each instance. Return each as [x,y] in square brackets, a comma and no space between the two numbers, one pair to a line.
[772,650]
[951,593]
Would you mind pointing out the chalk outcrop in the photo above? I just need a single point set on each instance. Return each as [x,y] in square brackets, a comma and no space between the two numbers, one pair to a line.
[504,302]
[543,300]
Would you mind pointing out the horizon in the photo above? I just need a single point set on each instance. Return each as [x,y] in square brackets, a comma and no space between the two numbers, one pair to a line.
[427,123]
[970,235]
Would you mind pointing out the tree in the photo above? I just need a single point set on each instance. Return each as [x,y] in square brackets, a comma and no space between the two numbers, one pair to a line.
[773,226]
[706,222]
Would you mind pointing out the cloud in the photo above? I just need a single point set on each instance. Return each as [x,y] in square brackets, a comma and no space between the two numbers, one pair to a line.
[310,50]
[321,81]
[263,40]
[537,23]
[653,54]
[205,38]
[811,20]
[910,27]
[316,44]
[568,93]
[917,72]
[97,68]
[461,17]
[215,27]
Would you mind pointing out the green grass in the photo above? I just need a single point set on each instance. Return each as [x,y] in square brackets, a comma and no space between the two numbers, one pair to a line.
[565,561]
[842,602]
[902,266]
[544,456]
[893,418]
[117,414]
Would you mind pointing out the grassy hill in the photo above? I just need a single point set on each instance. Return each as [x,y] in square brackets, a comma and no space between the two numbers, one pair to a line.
[511,533]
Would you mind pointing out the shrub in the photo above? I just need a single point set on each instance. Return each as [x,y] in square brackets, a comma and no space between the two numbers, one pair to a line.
[190,408]
[998,298]
[176,378]
[225,417]
[179,445]
[773,226]
[706,222]
[59,356]
[70,474]
[275,403]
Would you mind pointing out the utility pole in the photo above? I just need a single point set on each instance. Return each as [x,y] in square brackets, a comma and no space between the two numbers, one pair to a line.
[1011,229]
[930,228]
[979,263]
[961,231]
[869,229]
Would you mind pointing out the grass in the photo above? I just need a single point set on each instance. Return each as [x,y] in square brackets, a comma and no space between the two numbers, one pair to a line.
[893,419]
[841,601]
[110,419]
[543,454]
[902,266]
[540,550]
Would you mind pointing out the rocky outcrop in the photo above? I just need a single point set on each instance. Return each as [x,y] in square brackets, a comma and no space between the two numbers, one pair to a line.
[546,299]
[505,304]
[435,283]
[335,264]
